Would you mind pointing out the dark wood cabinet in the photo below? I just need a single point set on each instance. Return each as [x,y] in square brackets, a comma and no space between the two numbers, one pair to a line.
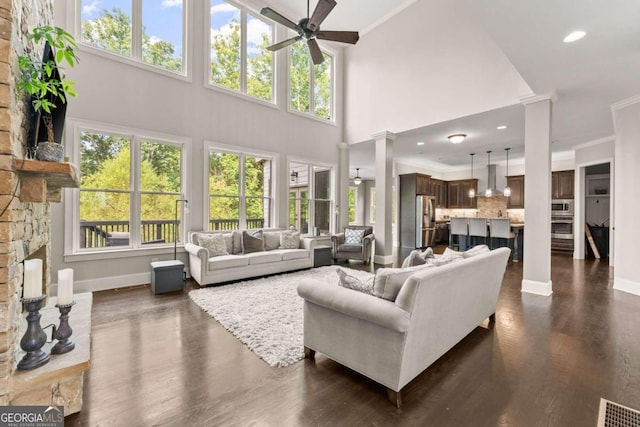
[516,184]
[459,194]
[422,184]
[438,189]
[562,185]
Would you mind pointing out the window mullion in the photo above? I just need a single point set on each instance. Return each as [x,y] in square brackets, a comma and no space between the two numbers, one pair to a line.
[242,208]
[136,198]
[136,29]
[312,83]
[243,50]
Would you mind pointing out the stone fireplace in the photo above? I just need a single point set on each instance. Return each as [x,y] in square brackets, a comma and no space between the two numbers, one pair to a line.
[26,189]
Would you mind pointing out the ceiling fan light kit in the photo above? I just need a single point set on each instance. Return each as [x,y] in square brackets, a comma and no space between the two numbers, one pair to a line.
[309,29]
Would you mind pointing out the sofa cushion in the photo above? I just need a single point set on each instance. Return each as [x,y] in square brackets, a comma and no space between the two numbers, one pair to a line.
[289,239]
[271,240]
[347,281]
[263,257]
[214,243]
[416,257]
[289,254]
[388,281]
[350,248]
[476,250]
[353,236]
[252,242]
[227,261]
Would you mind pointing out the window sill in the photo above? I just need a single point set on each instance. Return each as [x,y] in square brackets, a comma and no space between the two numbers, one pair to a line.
[240,95]
[312,117]
[134,62]
[126,252]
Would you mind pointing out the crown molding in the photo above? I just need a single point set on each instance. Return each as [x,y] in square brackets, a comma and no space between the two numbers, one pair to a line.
[384,135]
[551,96]
[606,139]
[625,103]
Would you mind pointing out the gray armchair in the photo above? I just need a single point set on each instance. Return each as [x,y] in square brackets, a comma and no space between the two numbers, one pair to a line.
[362,251]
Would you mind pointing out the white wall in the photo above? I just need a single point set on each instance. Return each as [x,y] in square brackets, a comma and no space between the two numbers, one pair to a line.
[118,93]
[626,115]
[400,80]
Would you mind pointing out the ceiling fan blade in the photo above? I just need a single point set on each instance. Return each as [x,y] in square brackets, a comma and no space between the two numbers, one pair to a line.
[316,54]
[275,16]
[320,13]
[339,36]
[285,43]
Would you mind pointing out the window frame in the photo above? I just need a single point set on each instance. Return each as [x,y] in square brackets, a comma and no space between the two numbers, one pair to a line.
[311,197]
[72,250]
[74,16]
[311,114]
[355,204]
[242,93]
[243,152]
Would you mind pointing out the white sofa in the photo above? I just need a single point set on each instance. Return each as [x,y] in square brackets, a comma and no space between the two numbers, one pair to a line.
[208,270]
[392,342]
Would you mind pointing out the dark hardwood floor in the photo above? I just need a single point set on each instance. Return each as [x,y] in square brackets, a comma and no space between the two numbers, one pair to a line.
[547,361]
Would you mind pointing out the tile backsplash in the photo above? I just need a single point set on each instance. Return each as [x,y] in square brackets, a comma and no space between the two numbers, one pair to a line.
[488,207]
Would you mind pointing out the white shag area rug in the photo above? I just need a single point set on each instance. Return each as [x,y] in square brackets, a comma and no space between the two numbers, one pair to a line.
[266,314]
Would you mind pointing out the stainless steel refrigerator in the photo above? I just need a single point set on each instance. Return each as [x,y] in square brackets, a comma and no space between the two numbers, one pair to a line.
[425,221]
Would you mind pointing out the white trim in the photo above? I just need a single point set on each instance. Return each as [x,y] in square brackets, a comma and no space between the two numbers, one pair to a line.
[625,103]
[212,86]
[384,135]
[536,288]
[106,283]
[382,259]
[550,96]
[386,17]
[624,285]
[606,139]
[125,252]
[310,116]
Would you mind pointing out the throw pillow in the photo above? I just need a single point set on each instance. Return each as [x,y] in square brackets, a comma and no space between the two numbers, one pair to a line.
[252,243]
[271,240]
[417,258]
[353,236]
[228,241]
[214,243]
[388,281]
[347,281]
[289,239]
[476,250]
[236,240]
[448,256]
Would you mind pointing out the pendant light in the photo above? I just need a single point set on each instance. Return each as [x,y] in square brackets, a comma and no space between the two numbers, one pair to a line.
[507,190]
[357,180]
[488,192]
[472,191]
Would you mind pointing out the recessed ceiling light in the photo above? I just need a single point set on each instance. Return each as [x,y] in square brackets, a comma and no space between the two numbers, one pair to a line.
[574,36]
[420,143]
[501,127]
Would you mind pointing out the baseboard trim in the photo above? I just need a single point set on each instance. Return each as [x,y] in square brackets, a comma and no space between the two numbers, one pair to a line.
[537,288]
[384,260]
[104,283]
[624,285]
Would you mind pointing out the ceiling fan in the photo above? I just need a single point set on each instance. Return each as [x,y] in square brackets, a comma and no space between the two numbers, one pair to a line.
[309,29]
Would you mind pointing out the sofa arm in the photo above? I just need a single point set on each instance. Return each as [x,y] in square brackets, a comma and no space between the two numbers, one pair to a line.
[196,250]
[355,304]
[309,244]
[336,240]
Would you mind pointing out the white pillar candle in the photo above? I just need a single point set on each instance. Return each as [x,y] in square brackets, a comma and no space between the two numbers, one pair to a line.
[65,286]
[32,278]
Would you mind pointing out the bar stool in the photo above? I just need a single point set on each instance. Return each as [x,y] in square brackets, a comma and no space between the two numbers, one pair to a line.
[459,227]
[478,228]
[500,228]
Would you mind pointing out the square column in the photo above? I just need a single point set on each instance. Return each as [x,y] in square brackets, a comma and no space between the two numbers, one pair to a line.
[537,202]
[342,197]
[384,182]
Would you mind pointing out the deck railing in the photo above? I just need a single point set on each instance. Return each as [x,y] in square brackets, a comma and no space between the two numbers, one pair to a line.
[99,234]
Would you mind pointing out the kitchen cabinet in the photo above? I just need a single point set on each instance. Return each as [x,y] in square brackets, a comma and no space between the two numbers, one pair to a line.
[562,185]
[422,184]
[459,194]
[438,189]
[516,184]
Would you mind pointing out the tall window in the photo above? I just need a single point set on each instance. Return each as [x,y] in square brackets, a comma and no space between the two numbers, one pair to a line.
[353,204]
[124,202]
[310,198]
[310,86]
[240,190]
[239,59]
[155,37]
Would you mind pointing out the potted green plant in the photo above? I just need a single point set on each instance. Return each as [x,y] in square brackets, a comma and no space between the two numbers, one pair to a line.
[45,84]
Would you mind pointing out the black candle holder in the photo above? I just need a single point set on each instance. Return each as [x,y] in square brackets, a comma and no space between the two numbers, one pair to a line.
[64,331]
[34,338]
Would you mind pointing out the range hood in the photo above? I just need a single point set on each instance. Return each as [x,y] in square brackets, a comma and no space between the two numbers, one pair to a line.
[491,182]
